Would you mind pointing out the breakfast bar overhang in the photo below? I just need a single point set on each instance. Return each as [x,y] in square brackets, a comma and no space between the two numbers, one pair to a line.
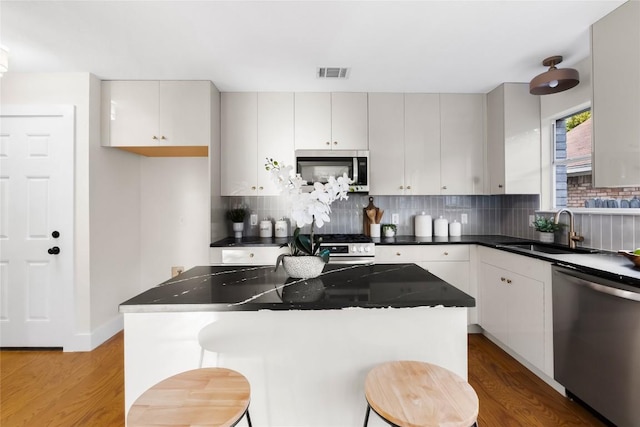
[305,345]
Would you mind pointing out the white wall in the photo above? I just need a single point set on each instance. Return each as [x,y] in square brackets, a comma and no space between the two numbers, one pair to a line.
[174,231]
[556,106]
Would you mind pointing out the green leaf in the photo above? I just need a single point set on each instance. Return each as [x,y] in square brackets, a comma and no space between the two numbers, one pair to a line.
[324,254]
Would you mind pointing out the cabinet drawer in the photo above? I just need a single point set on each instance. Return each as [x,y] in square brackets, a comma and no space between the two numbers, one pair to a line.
[445,253]
[398,254]
[246,255]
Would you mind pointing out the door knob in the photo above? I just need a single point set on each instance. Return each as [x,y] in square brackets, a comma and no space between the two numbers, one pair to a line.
[54,250]
[55,234]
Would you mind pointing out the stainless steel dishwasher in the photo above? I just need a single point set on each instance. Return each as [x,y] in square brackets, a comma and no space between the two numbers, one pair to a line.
[596,343]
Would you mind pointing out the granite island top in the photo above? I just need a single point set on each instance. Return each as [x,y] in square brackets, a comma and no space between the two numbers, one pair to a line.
[251,288]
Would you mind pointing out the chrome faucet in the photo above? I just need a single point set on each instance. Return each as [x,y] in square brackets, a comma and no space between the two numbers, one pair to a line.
[573,236]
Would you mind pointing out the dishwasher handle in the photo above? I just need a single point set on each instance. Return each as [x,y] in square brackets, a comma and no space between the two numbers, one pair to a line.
[616,292]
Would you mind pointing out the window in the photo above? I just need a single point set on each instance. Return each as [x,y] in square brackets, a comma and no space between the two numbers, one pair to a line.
[572,168]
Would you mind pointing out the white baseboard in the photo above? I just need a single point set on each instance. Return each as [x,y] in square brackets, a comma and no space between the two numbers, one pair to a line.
[88,342]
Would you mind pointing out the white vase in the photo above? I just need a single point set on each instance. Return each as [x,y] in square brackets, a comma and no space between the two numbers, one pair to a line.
[546,237]
[238,227]
[303,267]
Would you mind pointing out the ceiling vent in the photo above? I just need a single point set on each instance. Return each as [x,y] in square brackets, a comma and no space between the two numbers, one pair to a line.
[333,73]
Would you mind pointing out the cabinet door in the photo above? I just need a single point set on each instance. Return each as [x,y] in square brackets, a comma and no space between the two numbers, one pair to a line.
[495,140]
[349,121]
[185,113]
[521,140]
[525,314]
[312,121]
[275,136]
[386,143]
[239,134]
[615,52]
[455,273]
[494,298]
[462,143]
[134,113]
[422,143]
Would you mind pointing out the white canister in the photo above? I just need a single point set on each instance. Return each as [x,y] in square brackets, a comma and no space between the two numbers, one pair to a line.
[374,230]
[455,228]
[441,227]
[282,228]
[266,229]
[423,225]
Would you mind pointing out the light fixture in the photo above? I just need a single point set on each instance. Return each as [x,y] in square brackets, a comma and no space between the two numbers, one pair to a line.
[555,80]
[4,60]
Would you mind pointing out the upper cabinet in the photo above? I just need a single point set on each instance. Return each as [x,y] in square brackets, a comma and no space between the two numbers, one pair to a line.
[462,147]
[404,144]
[157,117]
[615,53]
[254,126]
[513,140]
[331,121]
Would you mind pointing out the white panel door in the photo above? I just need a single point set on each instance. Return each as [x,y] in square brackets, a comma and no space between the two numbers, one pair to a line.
[275,136]
[36,204]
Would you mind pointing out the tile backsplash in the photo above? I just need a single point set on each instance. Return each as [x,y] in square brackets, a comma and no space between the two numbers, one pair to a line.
[485,214]
[505,215]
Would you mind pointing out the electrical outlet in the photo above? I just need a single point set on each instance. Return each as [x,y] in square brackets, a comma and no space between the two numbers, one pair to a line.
[464,219]
[531,219]
[254,219]
[176,270]
[395,219]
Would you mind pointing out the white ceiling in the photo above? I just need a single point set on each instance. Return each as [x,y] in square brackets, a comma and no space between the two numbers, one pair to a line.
[396,46]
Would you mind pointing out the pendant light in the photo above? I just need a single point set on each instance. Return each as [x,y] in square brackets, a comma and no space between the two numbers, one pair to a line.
[554,80]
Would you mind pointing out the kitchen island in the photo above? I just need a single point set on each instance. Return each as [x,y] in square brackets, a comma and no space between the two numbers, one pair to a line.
[304,345]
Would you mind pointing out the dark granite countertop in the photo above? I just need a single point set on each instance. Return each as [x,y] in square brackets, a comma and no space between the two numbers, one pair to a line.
[250,288]
[608,265]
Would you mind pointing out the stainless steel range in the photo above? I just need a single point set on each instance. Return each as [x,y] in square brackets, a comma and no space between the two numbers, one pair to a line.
[349,248]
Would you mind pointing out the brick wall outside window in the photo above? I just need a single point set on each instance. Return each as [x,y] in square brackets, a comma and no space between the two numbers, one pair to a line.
[579,189]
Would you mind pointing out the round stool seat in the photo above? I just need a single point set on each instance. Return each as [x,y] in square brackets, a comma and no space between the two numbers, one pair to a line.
[412,394]
[201,397]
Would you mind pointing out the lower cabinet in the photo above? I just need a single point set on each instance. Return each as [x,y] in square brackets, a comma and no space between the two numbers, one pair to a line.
[515,295]
[451,263]
[247,255]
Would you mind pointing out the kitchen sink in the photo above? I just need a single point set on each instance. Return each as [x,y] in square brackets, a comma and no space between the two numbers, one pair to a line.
[548,248]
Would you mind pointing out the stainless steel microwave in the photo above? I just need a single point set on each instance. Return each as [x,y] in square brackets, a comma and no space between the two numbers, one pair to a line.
[319,165]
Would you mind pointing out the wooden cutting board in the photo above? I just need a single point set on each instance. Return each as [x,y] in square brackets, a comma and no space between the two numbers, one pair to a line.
[366,221]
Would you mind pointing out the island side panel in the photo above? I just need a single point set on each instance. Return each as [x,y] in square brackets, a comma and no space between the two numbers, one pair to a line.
[306,367]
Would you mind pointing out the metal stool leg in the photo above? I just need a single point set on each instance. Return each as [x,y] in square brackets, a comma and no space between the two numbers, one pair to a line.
[248,418]
[366,415]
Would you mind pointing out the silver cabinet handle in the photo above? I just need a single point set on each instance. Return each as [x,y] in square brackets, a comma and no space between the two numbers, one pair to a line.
[328,143]
[408,187]
[616,292]
[444,187]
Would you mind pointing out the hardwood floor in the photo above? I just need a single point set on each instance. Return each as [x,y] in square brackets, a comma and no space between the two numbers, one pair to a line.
[44,388]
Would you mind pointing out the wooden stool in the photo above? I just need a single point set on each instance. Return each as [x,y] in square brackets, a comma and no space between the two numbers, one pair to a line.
[412,394]
[201,397]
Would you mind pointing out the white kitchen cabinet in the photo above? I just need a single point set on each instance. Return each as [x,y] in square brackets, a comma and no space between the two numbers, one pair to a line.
[253,127]
[275,136]
[386,144]
[513,140]
[404,144]
[515,295]
[422,143]
[246,255]
[239,142]
[331,121]
[156,114]
[451,263]
[615,54]
[462,147]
